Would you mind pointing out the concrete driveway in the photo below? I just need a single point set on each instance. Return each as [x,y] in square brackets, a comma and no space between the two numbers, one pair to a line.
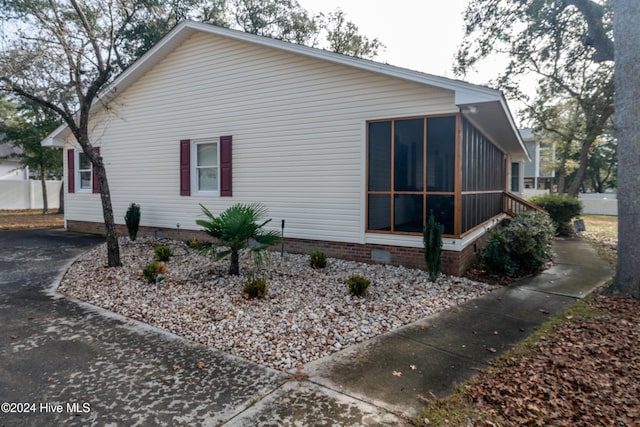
[67,363]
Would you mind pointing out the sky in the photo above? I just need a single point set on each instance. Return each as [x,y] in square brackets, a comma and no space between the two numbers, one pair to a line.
[422,35]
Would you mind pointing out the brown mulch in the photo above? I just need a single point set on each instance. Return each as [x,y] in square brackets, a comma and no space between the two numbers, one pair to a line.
[28,219]
[587,374]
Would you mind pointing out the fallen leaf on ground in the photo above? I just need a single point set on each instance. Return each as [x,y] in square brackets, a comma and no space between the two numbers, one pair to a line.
[397,373]
[586,372]
[200,365]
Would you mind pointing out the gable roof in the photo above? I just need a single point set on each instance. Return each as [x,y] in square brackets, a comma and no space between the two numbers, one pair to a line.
[486,108]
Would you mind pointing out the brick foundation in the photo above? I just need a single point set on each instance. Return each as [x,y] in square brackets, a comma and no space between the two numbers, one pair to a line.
[454,263]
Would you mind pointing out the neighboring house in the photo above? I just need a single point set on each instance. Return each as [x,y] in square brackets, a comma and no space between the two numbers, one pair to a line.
[350,153]
[10,167]
[539,173]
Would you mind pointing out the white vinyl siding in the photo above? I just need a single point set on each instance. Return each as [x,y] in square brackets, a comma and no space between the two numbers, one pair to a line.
[298,126]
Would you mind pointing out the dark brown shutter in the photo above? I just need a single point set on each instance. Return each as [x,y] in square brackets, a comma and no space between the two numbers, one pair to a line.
[95,184]
[71,171]
[185,167]
[225,166]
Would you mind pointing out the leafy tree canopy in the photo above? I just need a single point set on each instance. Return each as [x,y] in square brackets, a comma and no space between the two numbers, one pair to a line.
[280,19]
[25,129]
[553,41]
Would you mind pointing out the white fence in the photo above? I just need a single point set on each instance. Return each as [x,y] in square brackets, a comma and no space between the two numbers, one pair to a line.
[599,203]
[528,193]
[16,195]
[592,203]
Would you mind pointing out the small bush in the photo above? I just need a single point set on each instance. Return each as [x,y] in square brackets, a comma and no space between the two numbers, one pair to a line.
[521,247]
[255,287]
[358,285]
[432,240]
[495,256]
[318,259]
[561,208]
[155,271]
[194,243]
[132,219]
[163,253]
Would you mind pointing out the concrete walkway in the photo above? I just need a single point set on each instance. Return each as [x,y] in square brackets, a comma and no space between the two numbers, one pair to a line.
[434,355]
[99,369]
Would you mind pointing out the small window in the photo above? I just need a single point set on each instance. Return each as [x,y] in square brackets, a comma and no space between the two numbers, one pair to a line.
[515,177]
[206,166]
[84,173]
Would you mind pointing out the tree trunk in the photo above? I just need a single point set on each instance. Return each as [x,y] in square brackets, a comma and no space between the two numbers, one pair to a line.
[627,125]
[574,188]
[45,202]
[113,249]
[234,268]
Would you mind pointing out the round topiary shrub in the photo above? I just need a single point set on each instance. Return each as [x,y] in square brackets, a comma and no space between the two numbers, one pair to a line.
[255,287]
[358,285]
[318,259]
[521,247]
[561,208]
[154,272]
[163,252]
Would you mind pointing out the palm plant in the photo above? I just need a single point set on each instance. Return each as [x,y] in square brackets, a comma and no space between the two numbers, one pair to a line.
[238,228]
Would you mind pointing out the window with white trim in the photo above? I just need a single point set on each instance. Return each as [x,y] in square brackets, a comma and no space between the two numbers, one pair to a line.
[206,166]
[84,173]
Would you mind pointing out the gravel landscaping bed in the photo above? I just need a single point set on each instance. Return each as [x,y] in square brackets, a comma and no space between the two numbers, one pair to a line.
[307,314]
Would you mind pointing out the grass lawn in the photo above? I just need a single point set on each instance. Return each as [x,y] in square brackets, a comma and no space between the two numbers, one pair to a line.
[602,232]
[30,218]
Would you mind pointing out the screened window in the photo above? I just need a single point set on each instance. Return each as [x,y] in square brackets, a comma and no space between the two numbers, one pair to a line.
[206,166]
[85,173]
[411,172]
[483,175]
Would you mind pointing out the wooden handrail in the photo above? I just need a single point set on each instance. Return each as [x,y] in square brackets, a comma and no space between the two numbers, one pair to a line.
[513,205]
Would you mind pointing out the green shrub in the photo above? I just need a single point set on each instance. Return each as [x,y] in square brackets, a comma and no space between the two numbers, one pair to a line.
[255,287]
[163,253]
[521,246]
[132,219]
[495,256]
[432,240]
[358,284]
[318,259]
[561,208]
[239,228]
[155,271]
[196,244]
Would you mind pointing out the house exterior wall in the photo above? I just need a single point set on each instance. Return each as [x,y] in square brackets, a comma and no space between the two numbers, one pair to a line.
[298,127]
[454,262]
